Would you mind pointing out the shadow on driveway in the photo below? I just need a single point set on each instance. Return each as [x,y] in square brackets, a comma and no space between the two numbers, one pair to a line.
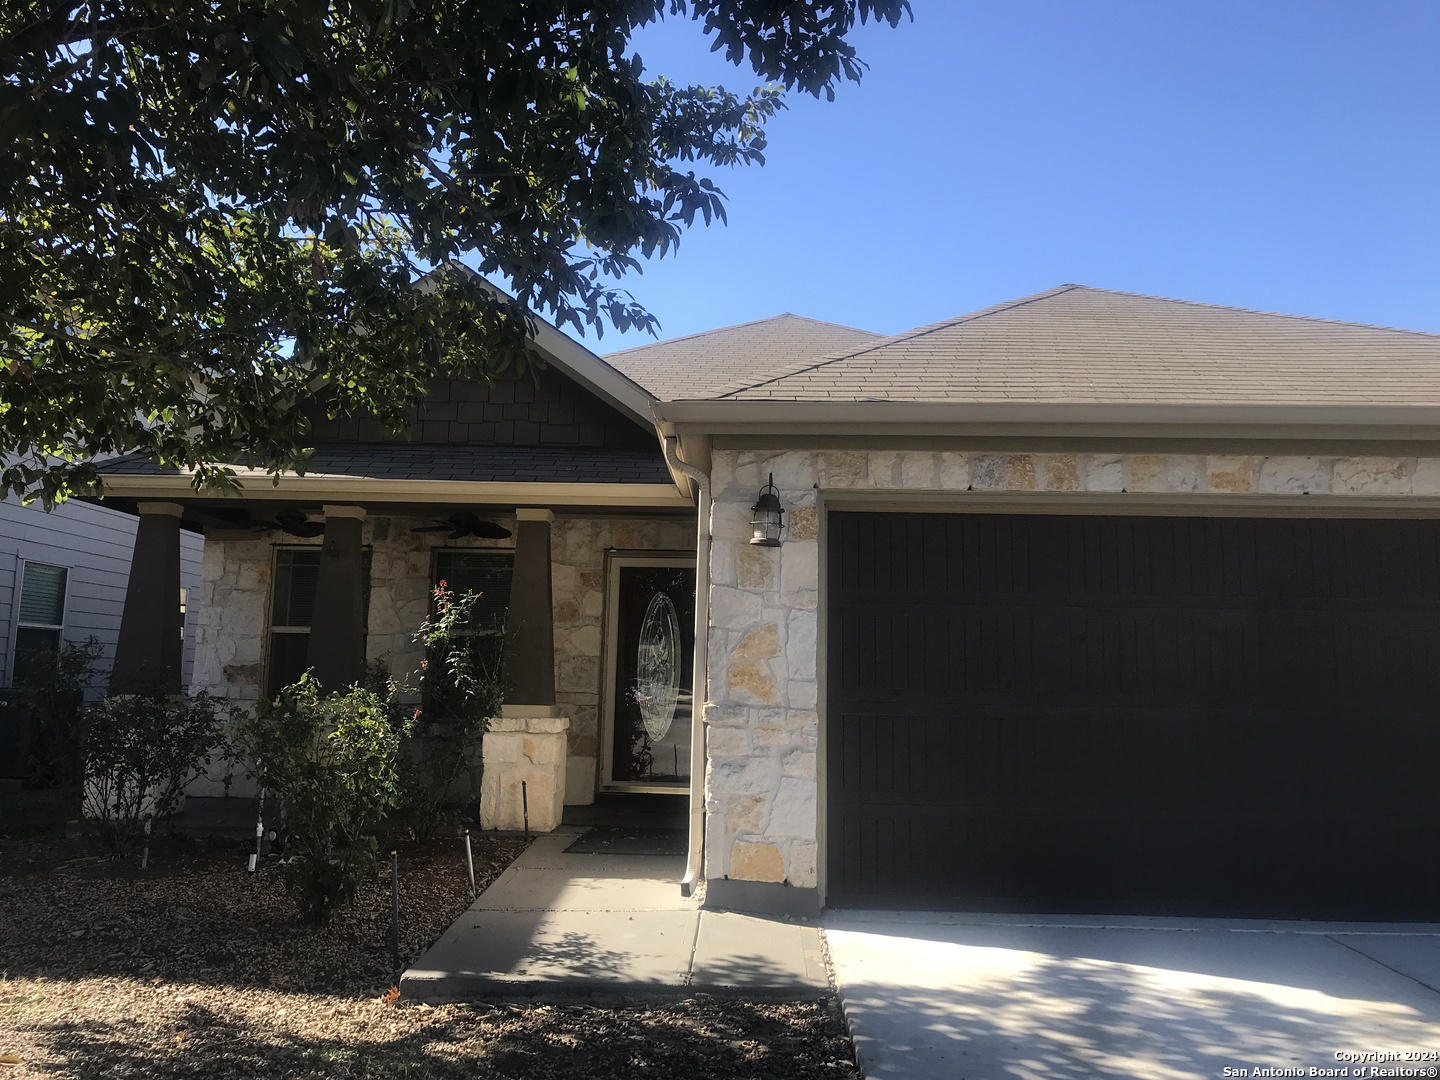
[995,997]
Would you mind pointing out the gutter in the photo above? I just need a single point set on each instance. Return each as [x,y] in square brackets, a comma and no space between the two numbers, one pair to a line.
[1169,420]
[695,863]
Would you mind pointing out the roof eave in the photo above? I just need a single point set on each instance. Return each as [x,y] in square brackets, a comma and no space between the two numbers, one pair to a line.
[361,490]
[1053,419]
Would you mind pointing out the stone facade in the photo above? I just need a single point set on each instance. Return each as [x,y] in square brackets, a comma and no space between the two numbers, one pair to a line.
[231,625]
[761,790]
[528,751]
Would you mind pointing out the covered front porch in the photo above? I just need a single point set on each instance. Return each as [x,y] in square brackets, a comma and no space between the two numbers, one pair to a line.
[592,583]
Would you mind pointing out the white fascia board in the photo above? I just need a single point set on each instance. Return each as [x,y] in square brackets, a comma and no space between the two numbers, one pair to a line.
[313,487]
[1051,419]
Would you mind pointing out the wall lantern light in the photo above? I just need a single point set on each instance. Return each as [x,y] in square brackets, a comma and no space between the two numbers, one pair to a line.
[767,517]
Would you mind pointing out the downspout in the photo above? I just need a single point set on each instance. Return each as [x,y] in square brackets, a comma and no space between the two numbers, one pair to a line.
[695,864]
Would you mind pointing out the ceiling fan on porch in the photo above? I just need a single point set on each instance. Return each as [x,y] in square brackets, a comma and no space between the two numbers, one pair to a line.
[288,520]
[294,522]
[465,523]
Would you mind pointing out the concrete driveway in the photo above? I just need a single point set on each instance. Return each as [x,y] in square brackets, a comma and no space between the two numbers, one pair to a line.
[976,996]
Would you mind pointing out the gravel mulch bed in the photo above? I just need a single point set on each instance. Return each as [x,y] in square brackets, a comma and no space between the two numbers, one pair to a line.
[196,915]
[193,968]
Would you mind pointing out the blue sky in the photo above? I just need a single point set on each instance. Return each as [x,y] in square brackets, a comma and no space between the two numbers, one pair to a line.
[1265,154]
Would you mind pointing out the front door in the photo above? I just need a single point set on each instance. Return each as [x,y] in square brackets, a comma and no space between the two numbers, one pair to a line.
[649,672]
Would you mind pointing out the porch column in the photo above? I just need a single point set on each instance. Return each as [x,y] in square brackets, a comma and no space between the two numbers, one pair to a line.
[337,630]
[530,621]
[147,655]
[524,748]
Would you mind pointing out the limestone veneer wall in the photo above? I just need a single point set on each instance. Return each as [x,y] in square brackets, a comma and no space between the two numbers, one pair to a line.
[761,789]
[233,628]
[232,621]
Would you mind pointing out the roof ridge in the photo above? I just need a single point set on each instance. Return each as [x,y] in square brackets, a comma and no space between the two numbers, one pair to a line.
[736,326]
[734,386]
[909,335]
[1257,311]
[831,322]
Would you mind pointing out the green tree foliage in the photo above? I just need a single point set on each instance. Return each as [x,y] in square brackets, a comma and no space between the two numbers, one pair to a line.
[206,206]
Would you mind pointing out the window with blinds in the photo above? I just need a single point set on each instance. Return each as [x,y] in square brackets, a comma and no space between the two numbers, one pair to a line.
[486,573]
[41,620]
[483,572]
[292,609]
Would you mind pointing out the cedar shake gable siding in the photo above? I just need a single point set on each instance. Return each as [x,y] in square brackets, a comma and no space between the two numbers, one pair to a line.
[549,410]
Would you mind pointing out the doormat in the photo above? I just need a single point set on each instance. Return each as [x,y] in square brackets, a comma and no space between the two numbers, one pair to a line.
[620,840]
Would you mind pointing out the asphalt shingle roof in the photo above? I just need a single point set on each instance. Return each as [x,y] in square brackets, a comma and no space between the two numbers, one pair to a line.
[1084,345]
[543,465]
[709,364]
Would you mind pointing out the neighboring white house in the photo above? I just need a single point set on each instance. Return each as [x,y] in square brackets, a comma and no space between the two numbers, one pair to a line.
[63,576]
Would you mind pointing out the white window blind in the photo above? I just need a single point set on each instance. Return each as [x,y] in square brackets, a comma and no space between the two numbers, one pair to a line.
[42,595]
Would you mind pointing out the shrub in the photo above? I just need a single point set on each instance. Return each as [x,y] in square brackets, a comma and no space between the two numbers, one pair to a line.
[332,760]
[52,683]
[378,681]
[141,752]
[463,684]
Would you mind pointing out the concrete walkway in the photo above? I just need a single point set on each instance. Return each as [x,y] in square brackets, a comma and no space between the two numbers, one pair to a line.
[556,922]
[986,997]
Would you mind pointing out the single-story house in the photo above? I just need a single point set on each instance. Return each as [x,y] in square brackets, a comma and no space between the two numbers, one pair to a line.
[1088,601]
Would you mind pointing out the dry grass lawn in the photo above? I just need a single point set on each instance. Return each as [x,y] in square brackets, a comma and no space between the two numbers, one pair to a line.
[194,968]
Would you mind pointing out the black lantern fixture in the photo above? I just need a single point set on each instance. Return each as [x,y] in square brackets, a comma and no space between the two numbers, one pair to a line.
[767,517]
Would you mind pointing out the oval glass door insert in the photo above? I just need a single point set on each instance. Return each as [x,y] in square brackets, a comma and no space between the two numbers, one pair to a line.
[657,681]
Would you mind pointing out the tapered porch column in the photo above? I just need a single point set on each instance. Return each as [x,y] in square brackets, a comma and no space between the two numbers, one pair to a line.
[530,621]
[147,654]
[524,749]
[337,630]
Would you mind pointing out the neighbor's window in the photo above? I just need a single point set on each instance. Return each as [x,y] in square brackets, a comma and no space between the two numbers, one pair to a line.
[184,601]
[42,609]
[292,609]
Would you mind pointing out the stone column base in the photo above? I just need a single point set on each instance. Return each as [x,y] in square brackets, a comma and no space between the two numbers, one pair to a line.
[531,749]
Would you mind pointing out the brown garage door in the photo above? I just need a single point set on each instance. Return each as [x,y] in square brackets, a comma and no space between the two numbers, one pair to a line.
[1134,714]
